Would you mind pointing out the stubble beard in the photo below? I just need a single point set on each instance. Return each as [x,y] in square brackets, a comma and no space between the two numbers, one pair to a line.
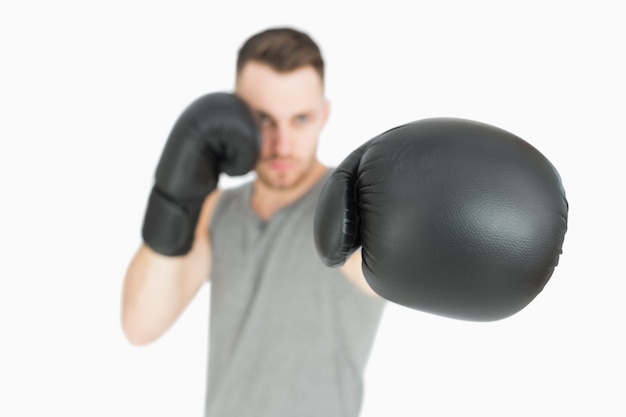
[278,183]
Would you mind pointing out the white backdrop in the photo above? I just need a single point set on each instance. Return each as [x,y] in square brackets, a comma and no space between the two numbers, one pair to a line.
[89,91]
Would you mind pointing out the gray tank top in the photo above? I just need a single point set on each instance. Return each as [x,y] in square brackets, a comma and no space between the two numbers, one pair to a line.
[288,336]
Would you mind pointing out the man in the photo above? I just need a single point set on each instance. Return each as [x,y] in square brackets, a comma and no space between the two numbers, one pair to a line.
[289,336]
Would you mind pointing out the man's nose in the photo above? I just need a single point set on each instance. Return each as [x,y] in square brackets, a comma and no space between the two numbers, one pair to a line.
[280,141]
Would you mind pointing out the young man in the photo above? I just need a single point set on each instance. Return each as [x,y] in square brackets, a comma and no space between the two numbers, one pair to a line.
[289,336]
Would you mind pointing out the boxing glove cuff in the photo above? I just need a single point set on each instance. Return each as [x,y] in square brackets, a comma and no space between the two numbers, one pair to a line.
[169,227]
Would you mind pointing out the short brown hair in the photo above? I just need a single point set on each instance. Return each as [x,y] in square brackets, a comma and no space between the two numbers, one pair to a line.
[283,49]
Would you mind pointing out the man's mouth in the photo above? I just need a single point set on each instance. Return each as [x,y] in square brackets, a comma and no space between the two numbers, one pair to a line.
[280,165]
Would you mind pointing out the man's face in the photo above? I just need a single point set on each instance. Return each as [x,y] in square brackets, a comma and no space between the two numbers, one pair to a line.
[292,111]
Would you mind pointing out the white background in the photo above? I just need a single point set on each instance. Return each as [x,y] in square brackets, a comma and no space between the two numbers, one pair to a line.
[89,91]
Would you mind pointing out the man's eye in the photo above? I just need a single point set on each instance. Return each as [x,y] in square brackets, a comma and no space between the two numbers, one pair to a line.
[264,120]
[302,119]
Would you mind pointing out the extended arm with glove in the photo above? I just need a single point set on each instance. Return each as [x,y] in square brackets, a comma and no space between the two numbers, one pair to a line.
[454,217]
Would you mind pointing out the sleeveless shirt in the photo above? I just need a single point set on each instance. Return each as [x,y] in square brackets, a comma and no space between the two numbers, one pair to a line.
[288,335]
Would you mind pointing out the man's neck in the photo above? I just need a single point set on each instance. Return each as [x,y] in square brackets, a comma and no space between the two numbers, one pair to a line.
[266,201]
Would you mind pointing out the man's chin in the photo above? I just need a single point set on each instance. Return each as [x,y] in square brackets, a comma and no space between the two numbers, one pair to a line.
[279,181]
[276,184]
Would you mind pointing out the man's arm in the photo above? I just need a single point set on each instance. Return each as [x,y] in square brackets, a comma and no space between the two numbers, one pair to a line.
[158,288]
[216,133]
[353,270]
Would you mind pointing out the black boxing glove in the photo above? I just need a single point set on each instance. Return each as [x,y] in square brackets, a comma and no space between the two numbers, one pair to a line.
[216,133]
[454,217]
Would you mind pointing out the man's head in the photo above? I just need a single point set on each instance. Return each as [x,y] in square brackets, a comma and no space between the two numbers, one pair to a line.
[280,74]
[282,49]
